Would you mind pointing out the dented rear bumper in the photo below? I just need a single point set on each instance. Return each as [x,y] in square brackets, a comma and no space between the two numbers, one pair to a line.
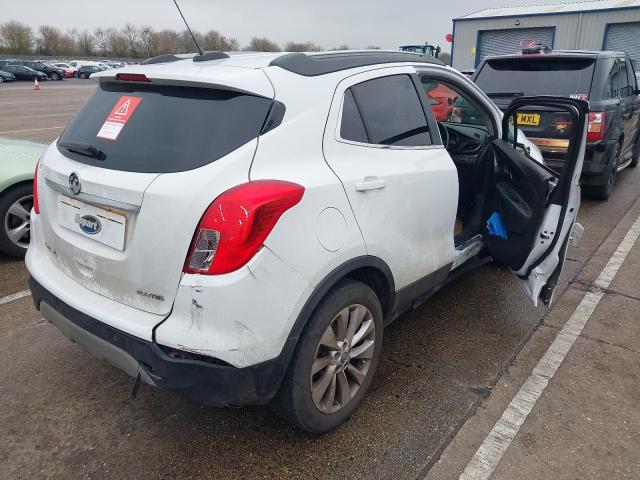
[207,382]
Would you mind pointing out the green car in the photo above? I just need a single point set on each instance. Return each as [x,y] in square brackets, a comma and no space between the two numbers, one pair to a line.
[18,161]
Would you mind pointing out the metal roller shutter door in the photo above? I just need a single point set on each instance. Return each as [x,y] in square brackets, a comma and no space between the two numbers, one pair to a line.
[624,37]
[502,42]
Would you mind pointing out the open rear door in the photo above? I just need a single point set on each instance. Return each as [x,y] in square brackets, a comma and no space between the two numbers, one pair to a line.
[532,209]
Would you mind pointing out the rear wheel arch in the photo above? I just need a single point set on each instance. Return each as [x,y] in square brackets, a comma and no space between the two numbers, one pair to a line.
[377,280]
[370,270]
[14,186]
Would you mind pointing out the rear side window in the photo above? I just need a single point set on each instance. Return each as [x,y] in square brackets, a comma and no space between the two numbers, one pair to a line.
[352,127]
[610,66]
[391,113]
[633,84]
[536,75]
[171,129]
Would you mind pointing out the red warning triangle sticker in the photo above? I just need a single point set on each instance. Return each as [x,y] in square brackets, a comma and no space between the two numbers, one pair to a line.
[124,108]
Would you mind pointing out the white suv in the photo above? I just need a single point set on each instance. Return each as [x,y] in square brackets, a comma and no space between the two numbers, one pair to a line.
[241,229]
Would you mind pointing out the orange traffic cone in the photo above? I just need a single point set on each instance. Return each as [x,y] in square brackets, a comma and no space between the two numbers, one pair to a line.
[36,85]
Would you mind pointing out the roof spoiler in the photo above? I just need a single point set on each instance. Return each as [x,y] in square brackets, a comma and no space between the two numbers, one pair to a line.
[172,57]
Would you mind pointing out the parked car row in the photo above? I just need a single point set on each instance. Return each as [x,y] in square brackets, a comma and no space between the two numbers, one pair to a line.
[16,69]
[24,70]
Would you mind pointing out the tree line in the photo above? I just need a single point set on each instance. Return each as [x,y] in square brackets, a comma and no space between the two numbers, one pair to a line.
[129,41]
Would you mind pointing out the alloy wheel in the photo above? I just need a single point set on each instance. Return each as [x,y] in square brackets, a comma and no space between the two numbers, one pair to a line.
[17,221]
[343,358]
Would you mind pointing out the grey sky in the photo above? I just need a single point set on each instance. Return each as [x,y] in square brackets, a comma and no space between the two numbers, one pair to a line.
[358,23]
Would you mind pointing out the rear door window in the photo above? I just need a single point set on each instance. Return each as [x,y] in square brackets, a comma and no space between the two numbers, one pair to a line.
[625,88]
[392,111]
[171,129]
[539,75]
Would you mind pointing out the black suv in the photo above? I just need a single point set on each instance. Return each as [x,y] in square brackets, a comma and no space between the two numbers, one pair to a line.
[54,73]
[606,79]
[23,73]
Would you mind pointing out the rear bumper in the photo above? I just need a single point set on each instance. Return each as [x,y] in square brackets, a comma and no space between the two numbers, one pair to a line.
[595,169]
[205,382]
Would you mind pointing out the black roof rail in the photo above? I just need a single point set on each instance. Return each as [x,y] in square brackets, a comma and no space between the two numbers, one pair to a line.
[168,58]
[206,56]
[321,64]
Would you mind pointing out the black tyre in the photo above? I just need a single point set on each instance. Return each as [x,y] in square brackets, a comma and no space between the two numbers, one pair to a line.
[15,221]
[603,192]
[83,75]
[55,76]
[1,79]
[334,361]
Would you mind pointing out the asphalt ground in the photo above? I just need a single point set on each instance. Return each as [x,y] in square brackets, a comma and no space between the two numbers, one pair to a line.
[66,415]
[41,115]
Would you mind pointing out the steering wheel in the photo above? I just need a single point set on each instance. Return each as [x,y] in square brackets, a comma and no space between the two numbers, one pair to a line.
[444,134]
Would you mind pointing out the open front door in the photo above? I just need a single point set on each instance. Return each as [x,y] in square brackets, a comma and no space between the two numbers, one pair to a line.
[532,209]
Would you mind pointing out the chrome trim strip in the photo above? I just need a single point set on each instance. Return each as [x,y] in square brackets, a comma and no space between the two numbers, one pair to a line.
[93,199]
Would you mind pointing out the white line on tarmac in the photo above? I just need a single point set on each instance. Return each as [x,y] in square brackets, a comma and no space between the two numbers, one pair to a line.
[32,129]
[14,296]
[487,457]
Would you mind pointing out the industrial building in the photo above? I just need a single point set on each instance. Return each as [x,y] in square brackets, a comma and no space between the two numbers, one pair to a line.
[593,25]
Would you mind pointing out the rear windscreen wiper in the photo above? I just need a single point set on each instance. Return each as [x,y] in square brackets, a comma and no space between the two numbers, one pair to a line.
[82,148]
[505,94]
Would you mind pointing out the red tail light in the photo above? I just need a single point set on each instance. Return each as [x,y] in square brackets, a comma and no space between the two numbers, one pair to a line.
[36,202]
[132,77]
[595,131]
[235,225]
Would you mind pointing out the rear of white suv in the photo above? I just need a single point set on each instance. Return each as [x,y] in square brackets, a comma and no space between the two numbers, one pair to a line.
[150,229]
[118,208]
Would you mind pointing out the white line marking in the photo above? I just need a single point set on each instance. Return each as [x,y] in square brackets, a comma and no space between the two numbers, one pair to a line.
[32,129]
[14,296]
[487,457]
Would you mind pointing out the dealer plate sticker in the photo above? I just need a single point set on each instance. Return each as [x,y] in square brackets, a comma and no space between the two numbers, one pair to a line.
[118,117]
[101,225]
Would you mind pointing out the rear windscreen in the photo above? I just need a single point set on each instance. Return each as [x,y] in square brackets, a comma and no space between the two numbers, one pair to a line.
[564,77]
[161,129]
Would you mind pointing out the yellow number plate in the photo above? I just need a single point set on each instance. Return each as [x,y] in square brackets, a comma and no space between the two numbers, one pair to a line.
[531,119]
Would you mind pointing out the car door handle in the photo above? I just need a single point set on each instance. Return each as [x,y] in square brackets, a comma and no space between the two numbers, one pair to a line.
[370,183]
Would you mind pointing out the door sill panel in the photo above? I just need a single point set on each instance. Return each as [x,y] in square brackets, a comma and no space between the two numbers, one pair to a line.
[467,250]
